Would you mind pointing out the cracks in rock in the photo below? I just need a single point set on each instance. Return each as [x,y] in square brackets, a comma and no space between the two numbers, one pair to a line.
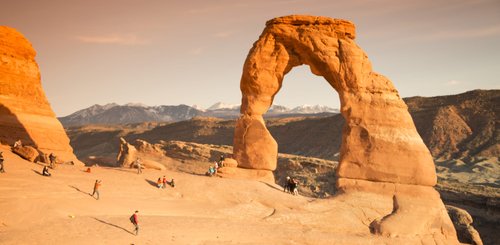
[365,220]
[270,215]
[340,55]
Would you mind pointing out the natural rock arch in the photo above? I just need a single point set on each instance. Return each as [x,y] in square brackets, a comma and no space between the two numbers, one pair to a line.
[379,143]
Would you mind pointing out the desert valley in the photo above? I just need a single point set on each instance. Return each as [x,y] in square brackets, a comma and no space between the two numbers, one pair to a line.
[381,169]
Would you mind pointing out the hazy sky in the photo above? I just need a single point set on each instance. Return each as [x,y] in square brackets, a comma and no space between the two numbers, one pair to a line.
[192,51]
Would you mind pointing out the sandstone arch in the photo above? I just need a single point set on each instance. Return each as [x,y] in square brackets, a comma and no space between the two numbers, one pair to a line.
[382,156]
[380,142]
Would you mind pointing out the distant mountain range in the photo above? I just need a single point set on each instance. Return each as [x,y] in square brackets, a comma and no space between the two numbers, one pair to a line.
[137,113]
[462,126]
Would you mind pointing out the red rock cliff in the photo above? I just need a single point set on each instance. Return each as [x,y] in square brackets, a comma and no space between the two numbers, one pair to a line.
[25,112]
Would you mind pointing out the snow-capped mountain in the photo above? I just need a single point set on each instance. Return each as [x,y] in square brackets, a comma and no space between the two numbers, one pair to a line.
[129,113]
[223,106]
[313,109]
[136,113]
[278,109]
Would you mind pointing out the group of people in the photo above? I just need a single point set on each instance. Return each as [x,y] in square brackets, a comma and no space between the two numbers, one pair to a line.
[291,186]
[212,170]
[52,159]
[162,182]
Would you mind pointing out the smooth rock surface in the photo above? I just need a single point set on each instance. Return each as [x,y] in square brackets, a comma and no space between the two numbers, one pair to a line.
[379,143]
[25,113]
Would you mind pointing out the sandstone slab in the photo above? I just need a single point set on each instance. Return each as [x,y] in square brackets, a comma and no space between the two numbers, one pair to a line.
[416,210]
[27,152]
[250,174]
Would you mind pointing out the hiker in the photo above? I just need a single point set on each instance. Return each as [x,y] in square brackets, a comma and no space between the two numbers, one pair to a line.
[172,183]
[135,221]
[138,165]
[2,170]
[88,170]
[287,185]
[211,171]
[221,160]
[293,187]
[18,143]
[52,160]
[159,183]
[45,171]
[96,188]
[164,181]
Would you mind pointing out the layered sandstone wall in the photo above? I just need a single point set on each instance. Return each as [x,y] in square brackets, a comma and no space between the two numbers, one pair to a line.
[25,113]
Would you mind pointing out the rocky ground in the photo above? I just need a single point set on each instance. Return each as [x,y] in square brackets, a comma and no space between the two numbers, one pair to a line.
[459,184]
[199,210]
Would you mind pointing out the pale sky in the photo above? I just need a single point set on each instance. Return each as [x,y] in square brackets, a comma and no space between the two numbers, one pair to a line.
[170,52]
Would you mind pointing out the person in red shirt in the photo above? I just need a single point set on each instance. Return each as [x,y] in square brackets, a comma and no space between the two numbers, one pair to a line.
[164,182]
[96,188]
[135,221]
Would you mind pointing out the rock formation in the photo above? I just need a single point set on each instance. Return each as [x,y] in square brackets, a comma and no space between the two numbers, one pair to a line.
[25,113]
[381,151]
[150,155]
[380,142]
[463,224]
[27,152]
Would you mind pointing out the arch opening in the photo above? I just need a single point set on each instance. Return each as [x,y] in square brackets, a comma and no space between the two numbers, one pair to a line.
[316,104]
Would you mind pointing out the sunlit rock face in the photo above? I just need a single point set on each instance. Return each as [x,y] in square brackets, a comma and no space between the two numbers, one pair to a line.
[379,143]
[381,151]
[25,113]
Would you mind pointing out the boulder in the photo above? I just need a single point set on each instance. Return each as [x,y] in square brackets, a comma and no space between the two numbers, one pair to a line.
[152,156]
[27,152]
[127,154]
[150,149]
[230,163]
[463,224]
